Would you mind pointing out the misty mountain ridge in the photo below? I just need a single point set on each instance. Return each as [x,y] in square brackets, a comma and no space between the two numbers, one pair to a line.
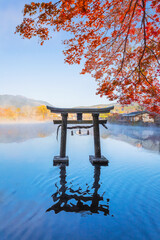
[108,105]
[99,105]
[19,101]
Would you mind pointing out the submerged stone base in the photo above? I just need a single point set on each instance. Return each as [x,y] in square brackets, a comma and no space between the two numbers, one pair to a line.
[98,161]
[57,160]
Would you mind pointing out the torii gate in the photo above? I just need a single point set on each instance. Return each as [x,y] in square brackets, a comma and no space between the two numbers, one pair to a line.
[97,158]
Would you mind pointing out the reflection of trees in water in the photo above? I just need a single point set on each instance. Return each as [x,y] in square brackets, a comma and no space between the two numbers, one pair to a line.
[69,200]
[22,132]
[140,137]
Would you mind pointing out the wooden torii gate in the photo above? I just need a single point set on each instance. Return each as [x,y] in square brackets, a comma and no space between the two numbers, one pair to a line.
[97,158]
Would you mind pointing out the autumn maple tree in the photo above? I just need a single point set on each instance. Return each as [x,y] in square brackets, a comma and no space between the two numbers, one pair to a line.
[119,40]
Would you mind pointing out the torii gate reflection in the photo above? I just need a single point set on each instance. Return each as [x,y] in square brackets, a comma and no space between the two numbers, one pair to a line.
[63,201]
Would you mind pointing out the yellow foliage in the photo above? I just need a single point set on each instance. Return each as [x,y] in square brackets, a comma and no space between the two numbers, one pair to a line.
[42,110]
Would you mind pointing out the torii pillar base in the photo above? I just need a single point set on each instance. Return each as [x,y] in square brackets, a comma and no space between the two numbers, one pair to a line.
[57,160]
[102,161]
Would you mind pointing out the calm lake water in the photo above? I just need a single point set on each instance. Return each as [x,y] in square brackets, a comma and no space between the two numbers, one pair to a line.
[80,201]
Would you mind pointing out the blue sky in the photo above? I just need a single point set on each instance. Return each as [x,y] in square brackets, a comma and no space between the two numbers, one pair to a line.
[39,72]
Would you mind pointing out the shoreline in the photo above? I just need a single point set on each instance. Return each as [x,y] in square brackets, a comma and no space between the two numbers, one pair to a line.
[24,122]
[135,124]
[51,121]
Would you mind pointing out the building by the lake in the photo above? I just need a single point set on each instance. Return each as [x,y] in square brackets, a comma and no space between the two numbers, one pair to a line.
[140,117]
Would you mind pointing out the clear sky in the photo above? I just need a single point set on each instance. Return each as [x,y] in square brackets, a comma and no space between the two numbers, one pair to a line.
[39,72]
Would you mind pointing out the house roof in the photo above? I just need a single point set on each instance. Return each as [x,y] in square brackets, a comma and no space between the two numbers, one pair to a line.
[132,114]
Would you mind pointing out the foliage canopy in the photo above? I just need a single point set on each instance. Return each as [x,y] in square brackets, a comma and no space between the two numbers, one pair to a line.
[119,40]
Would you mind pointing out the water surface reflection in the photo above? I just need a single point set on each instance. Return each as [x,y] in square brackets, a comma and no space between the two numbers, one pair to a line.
[10,133]
[140,137]
[69,200]
[82,195]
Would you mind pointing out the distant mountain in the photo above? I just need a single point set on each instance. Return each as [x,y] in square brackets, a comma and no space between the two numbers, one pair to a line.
[20,101]
[99,105]
[118,108]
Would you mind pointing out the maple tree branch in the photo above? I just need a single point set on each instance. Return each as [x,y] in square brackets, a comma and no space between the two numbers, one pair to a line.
[144,37]
[126,38]
[140,71]
[111,55]
[126,13]
[153,40]
[154,55]
[151,18]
